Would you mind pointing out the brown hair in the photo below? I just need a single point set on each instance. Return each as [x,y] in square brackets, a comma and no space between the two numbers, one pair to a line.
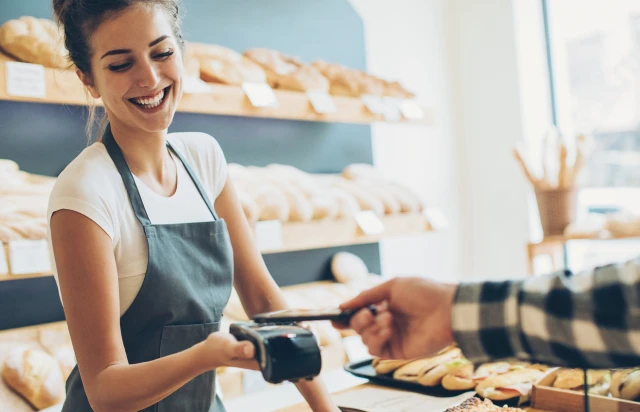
[80,18]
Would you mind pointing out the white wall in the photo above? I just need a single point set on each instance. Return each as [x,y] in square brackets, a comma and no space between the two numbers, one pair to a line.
[405,40]
[480,67]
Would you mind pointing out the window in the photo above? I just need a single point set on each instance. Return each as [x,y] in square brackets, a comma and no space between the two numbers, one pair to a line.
[594,50]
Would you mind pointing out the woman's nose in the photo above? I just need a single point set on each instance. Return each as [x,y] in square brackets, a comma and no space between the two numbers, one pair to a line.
[147,76]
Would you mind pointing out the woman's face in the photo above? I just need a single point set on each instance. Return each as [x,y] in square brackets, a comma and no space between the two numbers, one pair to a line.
[137,69]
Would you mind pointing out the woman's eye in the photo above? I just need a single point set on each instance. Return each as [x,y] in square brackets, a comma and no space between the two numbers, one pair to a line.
[119,67]
[164,55]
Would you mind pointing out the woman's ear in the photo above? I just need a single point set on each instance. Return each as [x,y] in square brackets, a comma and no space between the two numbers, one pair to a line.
[86,80]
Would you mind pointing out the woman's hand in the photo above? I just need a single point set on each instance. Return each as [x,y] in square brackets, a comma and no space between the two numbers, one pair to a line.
[222,349]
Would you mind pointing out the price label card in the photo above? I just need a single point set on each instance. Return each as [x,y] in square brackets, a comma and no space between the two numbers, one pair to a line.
[193,85]
[26,80]
[4,267]
[391,112]
[322,102]
[355,349]
[269,235]
[29,256]
[411,110]
[374,104]
[369,222]
[260,94]
[436,218]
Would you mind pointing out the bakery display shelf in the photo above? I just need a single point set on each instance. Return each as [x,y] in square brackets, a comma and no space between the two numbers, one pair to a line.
[64,87]
[317,235]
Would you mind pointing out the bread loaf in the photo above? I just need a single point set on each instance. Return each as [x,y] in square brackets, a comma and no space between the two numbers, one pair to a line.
[288,72]
[219,64]
[271,202]
[249,207]
[35,41]
[35,375]
[347,267]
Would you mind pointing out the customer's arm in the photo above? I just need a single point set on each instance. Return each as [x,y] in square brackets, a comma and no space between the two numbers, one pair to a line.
[588,320]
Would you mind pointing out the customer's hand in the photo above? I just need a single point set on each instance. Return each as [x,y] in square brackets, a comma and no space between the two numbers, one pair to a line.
[222,349]
[413,318]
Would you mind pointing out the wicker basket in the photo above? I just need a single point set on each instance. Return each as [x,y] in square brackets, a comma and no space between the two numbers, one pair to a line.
[557,208]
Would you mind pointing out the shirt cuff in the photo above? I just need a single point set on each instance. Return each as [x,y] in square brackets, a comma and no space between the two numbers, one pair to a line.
[486,321]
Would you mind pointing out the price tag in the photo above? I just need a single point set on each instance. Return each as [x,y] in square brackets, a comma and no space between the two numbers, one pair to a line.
[26,80]
[355,349]
[322,102]
[411,110]
[391,112]
[369,222]
[4,267]
[436,218]
[374,104]
[260,94]
[29,256]
[194,85]
[269,235]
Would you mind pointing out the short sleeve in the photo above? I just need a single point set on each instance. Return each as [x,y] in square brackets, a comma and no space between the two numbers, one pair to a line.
[86,189]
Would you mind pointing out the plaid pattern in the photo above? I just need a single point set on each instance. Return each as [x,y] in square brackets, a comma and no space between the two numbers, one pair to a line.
[590,320]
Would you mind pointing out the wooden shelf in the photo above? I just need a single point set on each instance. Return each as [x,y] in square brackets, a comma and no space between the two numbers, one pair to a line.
[64,87]
[318,235]
[333,233]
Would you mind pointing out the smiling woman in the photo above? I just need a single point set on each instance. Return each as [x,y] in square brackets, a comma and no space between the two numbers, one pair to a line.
[147,233]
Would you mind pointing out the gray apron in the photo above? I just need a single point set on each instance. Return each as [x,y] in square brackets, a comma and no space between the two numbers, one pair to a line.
[186,287]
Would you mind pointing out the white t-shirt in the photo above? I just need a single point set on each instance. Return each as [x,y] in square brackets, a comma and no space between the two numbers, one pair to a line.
[92,186]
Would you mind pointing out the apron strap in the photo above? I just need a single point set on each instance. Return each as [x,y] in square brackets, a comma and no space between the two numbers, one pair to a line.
[195,180]
[127,177]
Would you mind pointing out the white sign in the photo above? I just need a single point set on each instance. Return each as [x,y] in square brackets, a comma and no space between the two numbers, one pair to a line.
[194,85]
[391,112]
[411,110]
[374,104]
[322,102]
[436,218]
[260,94]
[29,256]
[269,235]
[4,267]
[26,80]
[369,222]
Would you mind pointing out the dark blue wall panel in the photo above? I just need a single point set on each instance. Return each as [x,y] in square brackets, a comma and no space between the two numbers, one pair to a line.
[45,138]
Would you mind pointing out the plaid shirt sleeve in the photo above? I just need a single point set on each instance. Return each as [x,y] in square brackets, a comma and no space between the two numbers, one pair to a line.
[590,320]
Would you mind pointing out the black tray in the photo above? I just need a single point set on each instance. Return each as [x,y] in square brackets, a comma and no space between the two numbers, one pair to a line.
[363,369]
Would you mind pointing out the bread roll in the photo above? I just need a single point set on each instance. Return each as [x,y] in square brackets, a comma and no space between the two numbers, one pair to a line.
[625,384]
[508,385]
[347,267]
[66,359]
[300,209]
[384,366]
[7,234]
[435,376]
[388,200]
[414,371]
[347,204]
[249,207]
[271,202]
[459,379]
[343,80]
[324,207]
[35,375]
[366,201]
[395,89]
[357,171]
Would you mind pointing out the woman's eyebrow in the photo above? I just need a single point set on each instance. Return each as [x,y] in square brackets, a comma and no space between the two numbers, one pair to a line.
[125,51]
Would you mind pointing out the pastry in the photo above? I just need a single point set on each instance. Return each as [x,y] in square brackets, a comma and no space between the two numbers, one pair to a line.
[477,405]
[395,89]
[459,379]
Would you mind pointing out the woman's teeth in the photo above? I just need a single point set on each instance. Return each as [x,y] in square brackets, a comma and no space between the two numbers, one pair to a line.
[150,102]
